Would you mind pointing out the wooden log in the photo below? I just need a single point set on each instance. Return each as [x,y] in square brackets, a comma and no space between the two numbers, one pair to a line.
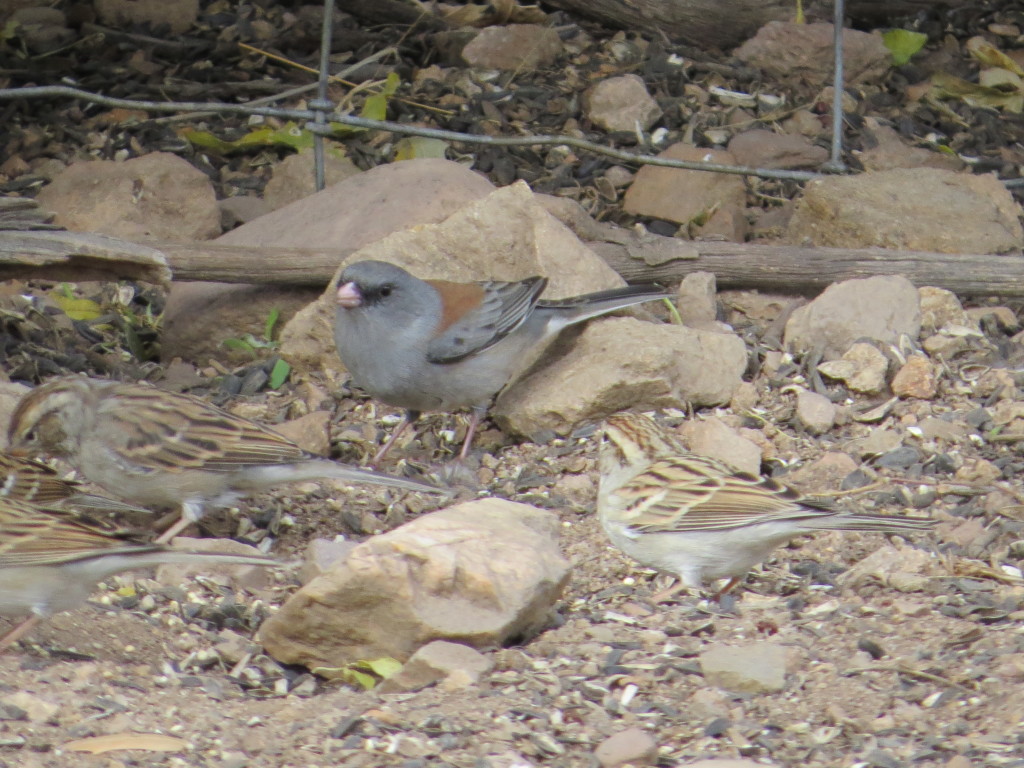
[58,255]
[727,23]
[775,268]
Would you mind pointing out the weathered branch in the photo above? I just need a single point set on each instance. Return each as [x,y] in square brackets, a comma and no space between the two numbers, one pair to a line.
[72,256]
[45,254]
[777,268]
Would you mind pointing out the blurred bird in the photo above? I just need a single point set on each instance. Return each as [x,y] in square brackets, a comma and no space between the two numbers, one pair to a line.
[161,449]
[434,345]
[51,558]
[698,518]
[27,480]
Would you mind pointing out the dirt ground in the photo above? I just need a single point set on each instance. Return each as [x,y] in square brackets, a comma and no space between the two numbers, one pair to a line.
[875,676]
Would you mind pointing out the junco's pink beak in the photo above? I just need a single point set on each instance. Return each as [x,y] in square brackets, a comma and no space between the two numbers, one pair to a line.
[349,296]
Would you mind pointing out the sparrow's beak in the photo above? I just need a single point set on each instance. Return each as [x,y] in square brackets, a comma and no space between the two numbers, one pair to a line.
[349,296]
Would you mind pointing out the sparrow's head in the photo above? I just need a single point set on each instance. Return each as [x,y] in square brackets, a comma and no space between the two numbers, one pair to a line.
[51,419]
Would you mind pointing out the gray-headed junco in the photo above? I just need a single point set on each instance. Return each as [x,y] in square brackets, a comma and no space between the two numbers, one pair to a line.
[161,449]
[434,345]
[51,558]
[700,519]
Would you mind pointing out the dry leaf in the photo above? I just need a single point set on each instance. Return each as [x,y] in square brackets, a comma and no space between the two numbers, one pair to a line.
[152,742]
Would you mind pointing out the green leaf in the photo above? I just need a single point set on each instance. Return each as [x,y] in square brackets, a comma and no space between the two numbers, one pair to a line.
[376,106]
[268,327]
[77,309]
[239,345]
[362,679]
[289,135]
[279,374]
[412,147]
[903,44]
[383,667]
[676,318]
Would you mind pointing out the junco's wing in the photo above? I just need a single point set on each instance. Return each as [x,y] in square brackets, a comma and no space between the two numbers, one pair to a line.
[695,493]
[479,315]
[150,431]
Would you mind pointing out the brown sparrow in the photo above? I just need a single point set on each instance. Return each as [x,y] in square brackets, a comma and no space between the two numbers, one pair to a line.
[27,480]
[160,449]
[698,518]
[434,345]
[51,559]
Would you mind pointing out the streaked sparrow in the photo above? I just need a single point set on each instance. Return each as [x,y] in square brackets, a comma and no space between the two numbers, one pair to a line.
[160,449]
[699,519]
[51,558]
[434,345]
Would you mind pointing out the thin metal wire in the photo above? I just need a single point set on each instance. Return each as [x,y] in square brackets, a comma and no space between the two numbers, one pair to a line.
[835,163]
[322,105]
[309,115]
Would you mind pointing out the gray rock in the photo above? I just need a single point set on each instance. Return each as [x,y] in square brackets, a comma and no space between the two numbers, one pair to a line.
[815,412]
[755,668]
[620,363]
[477,573]
[877,308]
[621,104]
[908,208]
[632,746]
[438,661]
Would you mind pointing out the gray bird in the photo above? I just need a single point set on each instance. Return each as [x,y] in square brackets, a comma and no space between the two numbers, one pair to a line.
[434,345]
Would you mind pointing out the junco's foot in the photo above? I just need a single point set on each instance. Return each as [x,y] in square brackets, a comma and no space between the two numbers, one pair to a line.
[698,518]
[434,345]
[160,449]
[51,559]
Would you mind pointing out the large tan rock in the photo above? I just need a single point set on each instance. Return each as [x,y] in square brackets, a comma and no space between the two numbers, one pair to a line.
[908,208]
[477,573]
[158,196]
[505,236]
[359,210]
[875,308]
[621,363]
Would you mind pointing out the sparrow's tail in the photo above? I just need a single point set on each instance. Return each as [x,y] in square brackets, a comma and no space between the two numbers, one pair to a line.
[326,469]
[863,522]
[581,308]
[98,565]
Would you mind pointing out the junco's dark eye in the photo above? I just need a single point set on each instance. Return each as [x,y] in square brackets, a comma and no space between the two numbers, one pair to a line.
[385,290]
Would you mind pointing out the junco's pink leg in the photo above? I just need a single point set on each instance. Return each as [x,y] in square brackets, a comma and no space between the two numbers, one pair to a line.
[474,422]
[410,417]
